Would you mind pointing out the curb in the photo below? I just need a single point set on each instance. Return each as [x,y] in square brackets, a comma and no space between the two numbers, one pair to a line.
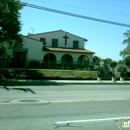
[14,82]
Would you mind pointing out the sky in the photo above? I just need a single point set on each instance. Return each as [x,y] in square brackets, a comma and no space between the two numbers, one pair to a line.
[104,39]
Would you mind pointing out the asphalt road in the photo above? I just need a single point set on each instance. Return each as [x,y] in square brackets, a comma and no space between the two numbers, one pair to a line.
[64,107]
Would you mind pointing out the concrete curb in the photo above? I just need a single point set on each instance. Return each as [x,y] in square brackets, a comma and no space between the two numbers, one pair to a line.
[60,82]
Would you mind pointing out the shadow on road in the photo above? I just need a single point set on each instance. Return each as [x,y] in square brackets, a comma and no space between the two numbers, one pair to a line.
[21,89]
[28,83]
[65,125]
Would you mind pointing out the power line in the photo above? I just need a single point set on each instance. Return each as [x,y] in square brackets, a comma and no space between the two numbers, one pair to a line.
[113,4]
[83,8]
[70,14]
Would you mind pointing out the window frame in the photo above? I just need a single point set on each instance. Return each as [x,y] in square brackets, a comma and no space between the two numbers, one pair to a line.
[42,39]
[54,42]
[75,44]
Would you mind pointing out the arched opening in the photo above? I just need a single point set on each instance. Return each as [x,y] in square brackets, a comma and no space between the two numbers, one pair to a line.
[83,61]
[49,61]
[67,61]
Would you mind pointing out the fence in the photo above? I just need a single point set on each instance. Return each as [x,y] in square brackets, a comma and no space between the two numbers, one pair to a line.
[13,63]
[65,65]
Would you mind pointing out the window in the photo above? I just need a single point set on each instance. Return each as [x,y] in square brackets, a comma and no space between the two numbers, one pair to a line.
[75,44]
[54,42]
[43,40]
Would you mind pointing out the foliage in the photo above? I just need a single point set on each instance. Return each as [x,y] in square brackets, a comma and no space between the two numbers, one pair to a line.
[96,60]
[127,61]
[2,51]
[10,25]
[108,60]
[126,51]
[120,61]
[122,69]
[34,64]
[107,69]
[113,64]
[51,74]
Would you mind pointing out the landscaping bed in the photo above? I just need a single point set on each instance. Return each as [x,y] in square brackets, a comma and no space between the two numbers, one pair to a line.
[41,74]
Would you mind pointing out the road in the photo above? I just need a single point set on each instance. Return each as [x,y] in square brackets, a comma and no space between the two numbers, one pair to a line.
[64,107]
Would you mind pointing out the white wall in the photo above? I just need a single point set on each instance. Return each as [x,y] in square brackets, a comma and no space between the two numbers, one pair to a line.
[34,47]
[61,41]
[35,52]
[75,56]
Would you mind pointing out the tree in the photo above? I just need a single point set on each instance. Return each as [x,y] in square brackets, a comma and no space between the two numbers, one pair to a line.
[127,61]
[120,61]
[108,60]
[113,64]
[126,51]
[10,25]
[122,69]
[96,60]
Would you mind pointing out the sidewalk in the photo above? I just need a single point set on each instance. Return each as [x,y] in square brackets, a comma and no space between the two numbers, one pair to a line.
[89,81]
[14,82]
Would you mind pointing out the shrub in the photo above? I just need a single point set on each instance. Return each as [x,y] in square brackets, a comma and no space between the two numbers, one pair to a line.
[127,61]
[34,64]
[122,69]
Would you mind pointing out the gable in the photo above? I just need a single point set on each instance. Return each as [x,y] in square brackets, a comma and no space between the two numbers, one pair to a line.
[58,39]
[56,34]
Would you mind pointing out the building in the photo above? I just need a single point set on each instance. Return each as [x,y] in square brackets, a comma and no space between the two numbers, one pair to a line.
[56,49]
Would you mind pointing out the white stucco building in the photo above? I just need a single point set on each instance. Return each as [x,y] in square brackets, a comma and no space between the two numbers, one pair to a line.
[56,49]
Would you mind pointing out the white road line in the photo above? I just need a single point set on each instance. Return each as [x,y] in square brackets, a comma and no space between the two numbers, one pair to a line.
[1,103]
[91,120]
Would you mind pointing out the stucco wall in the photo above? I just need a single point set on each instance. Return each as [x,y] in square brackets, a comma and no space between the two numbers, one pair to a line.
[35,52]
[61,41]
[34,47]
[75,56]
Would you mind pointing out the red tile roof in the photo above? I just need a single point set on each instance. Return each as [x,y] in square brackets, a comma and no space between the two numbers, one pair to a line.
[68,50]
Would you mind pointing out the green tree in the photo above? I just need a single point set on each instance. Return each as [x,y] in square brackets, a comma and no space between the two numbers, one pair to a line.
[10,25]
[122,69]
[127,61]
[108,60]
[113,64]
[96,60]
[120,61]
[126,51]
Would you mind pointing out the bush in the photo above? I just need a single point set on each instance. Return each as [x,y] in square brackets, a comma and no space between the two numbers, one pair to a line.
[122,69]
[127,61]
[34,64]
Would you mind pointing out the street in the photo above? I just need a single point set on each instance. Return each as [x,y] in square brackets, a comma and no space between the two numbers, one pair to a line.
[64,107]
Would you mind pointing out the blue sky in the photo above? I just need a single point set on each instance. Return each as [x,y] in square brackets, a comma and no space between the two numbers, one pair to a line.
[104,39]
